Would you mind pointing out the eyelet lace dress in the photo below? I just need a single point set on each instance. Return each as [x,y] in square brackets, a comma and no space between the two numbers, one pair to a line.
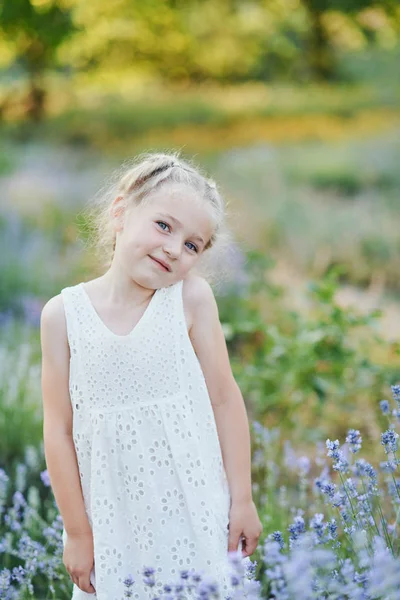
[150,463]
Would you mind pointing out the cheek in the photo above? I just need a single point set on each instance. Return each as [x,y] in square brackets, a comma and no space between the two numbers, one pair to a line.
[142,242]
[150,237]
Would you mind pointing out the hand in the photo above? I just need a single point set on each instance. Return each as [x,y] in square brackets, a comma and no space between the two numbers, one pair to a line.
[244,522]
[78,559]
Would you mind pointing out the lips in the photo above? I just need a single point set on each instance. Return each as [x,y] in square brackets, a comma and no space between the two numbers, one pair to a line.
[161,262]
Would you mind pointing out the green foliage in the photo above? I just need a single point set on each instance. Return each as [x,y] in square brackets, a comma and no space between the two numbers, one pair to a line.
[12,273]
[21,420]
[31,519]
[187,43]
[26,245]
[7,161]
[34,34]
[347,170]
[35,31]
[121,121]
[198,41]
[291,366]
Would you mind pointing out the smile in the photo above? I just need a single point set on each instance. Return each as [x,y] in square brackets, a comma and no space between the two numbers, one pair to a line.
[159,264]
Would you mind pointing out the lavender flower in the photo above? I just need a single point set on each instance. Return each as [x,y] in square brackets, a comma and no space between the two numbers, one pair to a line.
[274,562]
[396,413]
[277,537]
[332,529]
[385,407]
[384,573]
[333,449]
[354,440]
[328,489]
[296,528]
[304,465]
[317,524]
[340,462]
[148,576]
[389,441]
[388,466]
[396,392]
[44,476]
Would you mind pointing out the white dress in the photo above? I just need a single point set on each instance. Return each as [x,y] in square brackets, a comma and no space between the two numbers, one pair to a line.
[150,463]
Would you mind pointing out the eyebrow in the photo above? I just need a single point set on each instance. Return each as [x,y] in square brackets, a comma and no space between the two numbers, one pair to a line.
[194,236]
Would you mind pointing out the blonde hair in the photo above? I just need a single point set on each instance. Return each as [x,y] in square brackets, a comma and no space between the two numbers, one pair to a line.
[135,181]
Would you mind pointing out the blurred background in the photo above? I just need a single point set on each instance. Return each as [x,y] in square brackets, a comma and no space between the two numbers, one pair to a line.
[293,107]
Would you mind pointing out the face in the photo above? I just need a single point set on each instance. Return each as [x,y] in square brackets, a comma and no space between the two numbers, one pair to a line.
[172,226]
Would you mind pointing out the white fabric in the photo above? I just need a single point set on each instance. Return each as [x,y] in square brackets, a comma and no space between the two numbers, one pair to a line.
[153,481]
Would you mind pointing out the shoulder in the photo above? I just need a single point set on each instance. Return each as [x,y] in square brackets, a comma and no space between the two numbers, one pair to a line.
[52,320]
[198,299]
[53,310]
[208,339]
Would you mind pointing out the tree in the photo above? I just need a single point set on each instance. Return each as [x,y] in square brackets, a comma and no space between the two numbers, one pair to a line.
[34,31]
[320,52]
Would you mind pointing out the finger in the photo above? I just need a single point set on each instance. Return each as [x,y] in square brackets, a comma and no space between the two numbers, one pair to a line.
[85,585]
[250,546]
[233,541]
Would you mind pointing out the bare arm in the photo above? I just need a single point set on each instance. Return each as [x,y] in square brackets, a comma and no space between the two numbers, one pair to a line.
[59,448]
[227,401]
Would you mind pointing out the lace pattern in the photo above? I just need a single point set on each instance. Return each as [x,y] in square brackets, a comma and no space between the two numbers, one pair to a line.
[150,462]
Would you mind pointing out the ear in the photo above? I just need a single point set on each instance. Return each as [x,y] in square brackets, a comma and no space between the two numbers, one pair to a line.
[117,212]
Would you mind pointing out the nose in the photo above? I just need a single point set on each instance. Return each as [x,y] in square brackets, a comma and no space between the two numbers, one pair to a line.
[173,248]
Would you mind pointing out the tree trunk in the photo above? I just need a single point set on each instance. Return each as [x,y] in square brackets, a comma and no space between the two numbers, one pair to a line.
[35,100]
[320,55]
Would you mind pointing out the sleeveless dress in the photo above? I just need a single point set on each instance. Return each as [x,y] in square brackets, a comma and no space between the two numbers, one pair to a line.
[152,476]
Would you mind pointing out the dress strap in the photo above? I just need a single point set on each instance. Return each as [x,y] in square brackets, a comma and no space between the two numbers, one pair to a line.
[178,307]
[70,297]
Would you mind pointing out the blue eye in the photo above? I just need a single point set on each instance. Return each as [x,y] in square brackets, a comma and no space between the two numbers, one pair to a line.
[163,223]
[195,249]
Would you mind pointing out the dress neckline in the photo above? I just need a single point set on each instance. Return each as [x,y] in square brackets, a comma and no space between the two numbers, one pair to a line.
[137,326]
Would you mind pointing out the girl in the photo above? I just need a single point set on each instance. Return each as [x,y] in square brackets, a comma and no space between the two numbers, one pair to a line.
[146,434]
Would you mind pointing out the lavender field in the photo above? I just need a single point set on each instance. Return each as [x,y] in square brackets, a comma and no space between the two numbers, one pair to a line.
[293,108]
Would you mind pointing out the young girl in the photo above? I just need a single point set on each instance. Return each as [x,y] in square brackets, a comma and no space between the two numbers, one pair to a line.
[146,434]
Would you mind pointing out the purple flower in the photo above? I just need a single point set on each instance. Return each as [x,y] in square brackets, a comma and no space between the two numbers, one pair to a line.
[342,466]
[354,440]
[18,574]
[333,449]
[385,407]
[362,467]
[44,476]
[296,528]
[317,524]
[277,537]
[304,465]
[262,432]
[18,499]
[148,576]
[5,581]
[129,581]
[396,392]
[351,488]
[332,529]
[388,466]
[184,574]
[274,561]
[340,463]
[328,488]
[389,440]
[396,413]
